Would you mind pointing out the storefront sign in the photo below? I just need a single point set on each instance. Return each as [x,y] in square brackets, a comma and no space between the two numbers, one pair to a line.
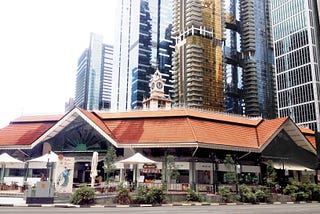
[149,166]
[204,166]
[182,165]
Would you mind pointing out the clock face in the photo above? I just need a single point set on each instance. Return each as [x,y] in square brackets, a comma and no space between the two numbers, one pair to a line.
[152,85]
[159,85]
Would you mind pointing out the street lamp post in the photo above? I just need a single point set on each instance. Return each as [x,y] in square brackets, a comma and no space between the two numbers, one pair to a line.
[215,161]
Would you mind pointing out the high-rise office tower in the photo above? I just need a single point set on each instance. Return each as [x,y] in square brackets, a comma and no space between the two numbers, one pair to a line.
[296,42]
[249,65]
[223,56]
[94,75]
[234,93]
[106,76]
[198,60]
[257,58]
[142,44]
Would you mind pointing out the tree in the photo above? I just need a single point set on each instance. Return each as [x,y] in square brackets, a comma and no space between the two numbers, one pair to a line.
[172,170]
[230,175]
[271,174]
[109,161]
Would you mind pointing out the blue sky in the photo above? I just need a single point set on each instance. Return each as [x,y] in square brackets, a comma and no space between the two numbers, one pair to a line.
[40,43]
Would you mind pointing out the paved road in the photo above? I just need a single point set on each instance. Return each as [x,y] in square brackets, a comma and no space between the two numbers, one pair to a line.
[234,209]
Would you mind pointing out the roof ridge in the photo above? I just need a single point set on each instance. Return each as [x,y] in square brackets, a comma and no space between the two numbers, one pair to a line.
[104,124]
[257,134]
[192,129]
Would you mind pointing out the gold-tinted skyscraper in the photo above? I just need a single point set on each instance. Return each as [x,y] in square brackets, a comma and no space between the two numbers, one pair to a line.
[198,60]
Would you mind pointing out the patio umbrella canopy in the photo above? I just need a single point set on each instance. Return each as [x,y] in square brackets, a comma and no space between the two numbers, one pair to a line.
[137,159]
[4,159]
[94,164]
[48,157]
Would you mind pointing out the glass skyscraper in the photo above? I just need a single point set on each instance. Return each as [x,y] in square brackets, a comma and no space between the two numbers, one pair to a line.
[258,59]
[93,83]
[198,60]
[223,57]
[106,77]
[249,70]
[142,44]
[296,42]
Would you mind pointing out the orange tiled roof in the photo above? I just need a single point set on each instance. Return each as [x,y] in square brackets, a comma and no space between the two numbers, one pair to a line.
[156,127]
[38,118]
[131,130]
[267,128]
[94,118]
[153,130]
[23,133]
[310,135]
[218,116]
[211,132]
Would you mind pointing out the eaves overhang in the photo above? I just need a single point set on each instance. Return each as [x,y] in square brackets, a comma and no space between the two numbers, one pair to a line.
[187,145]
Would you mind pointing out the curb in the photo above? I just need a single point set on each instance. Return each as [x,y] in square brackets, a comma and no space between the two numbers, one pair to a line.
[151,205]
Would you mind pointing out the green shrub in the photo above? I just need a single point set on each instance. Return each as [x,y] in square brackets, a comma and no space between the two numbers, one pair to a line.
[316,192]
[226,194]
[291,188]
[246,195]
[193,196]
[123,195]
[263,194]
[302,191]
[83,196]
[300,196]
[147,195]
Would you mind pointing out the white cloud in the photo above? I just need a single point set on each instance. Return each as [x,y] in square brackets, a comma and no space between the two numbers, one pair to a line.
[40,43]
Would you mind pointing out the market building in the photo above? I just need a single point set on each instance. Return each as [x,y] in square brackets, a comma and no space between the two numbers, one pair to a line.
[198,140]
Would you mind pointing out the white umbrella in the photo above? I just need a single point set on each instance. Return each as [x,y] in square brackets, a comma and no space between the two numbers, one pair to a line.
[48,157]
[4,159]
[94,164]
[137,159]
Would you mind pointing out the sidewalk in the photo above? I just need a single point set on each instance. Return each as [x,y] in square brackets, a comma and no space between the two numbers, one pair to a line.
[16,199]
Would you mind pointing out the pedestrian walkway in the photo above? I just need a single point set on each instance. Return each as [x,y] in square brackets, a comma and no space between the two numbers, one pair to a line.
[14,201]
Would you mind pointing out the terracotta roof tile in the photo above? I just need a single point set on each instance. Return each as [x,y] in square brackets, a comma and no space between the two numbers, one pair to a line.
[95,118]
[151,130]
[23,133]
[37,118]
[224,133]
[306,130]
[267,128]
[166,126]
[310,135]
[164,130]
[210,115]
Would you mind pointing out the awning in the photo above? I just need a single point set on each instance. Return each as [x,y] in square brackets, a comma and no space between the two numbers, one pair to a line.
[291,166]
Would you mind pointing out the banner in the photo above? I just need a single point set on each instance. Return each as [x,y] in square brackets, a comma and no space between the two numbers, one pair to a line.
[64,175]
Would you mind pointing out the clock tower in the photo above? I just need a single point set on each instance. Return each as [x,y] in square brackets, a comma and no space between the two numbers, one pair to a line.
[157,100]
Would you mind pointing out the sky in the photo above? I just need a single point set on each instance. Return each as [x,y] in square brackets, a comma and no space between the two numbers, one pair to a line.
[40,43]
